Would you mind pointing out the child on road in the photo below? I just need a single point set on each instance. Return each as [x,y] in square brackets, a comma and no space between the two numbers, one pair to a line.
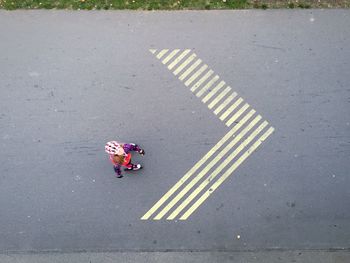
[119,154]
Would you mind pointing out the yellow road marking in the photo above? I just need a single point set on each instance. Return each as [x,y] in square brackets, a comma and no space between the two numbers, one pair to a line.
[225,103]
[190,69]
[184,64]
[219,97]
[237,114]
[227,174]
[207,86]
[233,106]
[153,51]
[205,170]
[179,58]
[218,169]
[177,62]
[166,196]
[200,82]
[162,53]
[170,56]
[195,75]
[214,91]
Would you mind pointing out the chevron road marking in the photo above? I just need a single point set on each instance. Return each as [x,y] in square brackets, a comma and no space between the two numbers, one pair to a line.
[213,174]
[227,174]
[205,174]
[198,165]
[205,170]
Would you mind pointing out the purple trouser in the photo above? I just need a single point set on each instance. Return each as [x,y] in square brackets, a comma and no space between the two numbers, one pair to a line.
[128,147]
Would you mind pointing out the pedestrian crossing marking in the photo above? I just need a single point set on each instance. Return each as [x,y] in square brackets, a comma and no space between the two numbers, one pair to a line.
[184,198]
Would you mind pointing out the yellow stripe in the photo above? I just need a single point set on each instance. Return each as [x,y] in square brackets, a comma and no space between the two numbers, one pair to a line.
[207,86]
[195,75]
[178,59]
[184,64]
[225,103]
[170,56]
[219,97]
[213,92]
[153,51]
[162,53]
[237,114]
[166,196]
[233,106]
[227,174]
[218,169]
[190,69]
[200,82]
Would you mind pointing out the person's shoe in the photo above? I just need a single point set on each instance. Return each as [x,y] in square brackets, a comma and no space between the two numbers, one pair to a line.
[136,167]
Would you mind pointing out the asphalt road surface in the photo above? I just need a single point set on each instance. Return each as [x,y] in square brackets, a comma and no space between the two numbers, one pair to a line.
[70,81]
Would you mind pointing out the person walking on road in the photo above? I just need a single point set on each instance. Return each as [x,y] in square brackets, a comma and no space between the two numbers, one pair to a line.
[119,154]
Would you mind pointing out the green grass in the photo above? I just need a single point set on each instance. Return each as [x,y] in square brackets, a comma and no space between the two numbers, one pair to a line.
[167,4]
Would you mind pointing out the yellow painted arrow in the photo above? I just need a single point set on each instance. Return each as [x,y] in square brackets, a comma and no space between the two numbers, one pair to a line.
[247,133]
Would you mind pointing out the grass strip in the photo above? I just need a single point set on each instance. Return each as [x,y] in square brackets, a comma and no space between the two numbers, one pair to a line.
[169,4]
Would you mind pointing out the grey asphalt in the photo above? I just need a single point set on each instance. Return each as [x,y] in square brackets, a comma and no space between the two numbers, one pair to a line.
[70,81]
[298,256]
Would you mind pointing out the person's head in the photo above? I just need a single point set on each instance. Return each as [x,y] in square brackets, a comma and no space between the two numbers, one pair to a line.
[114,148]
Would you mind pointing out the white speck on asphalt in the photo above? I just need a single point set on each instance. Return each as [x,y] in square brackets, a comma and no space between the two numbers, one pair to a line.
[77,178]
[238,236]
[333,175]
[33,74]
[93,180]
[312,19]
